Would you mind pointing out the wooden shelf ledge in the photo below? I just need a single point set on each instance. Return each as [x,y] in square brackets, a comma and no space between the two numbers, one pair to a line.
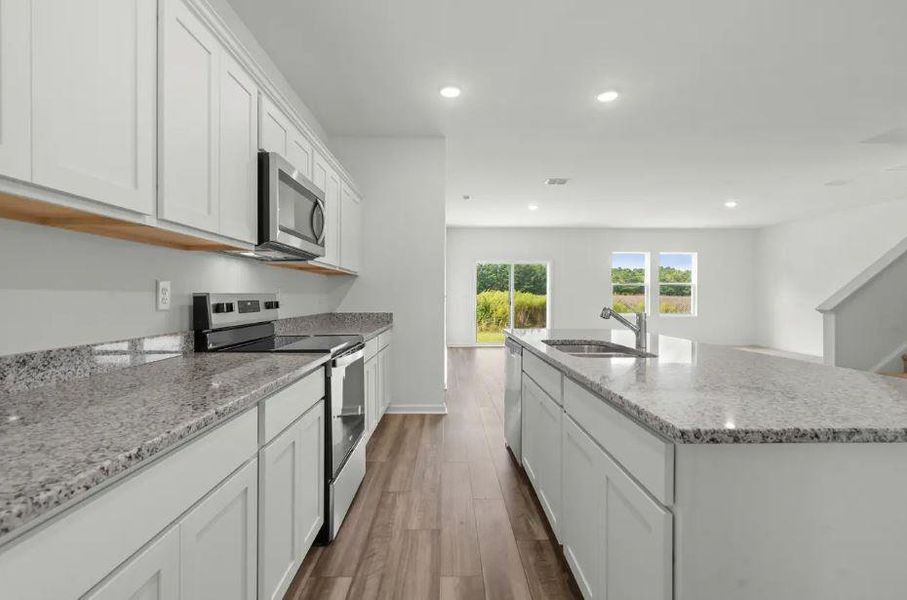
[38,212]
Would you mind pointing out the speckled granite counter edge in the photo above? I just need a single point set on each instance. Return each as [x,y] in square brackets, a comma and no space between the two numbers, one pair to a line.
[18,519]
[659,426]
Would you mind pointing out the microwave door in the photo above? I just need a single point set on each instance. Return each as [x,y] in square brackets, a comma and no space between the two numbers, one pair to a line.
[292,210]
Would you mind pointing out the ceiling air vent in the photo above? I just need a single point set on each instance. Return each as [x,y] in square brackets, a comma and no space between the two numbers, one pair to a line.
[556,181]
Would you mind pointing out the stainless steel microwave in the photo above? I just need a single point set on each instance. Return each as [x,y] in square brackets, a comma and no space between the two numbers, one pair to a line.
[290,212]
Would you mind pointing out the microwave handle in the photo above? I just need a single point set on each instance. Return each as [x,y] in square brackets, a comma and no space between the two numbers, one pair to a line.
[320,208]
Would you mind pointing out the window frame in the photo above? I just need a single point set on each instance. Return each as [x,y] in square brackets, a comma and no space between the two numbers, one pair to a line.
[647,279]
[693,285]
[511,264]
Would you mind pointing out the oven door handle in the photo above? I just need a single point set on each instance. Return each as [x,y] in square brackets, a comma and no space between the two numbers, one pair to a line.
[348,359]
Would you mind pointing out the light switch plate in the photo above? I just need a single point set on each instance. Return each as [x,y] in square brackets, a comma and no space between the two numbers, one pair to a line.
[163,295]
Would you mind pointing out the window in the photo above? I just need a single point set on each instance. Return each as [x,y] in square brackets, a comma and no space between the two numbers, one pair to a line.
[510,295]
[629,281]
[677,283]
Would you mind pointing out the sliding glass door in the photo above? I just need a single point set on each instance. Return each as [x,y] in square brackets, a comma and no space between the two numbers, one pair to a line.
[510,295]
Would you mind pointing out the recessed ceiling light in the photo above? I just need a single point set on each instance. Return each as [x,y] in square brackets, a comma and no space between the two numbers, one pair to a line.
[450,91]
[609,96]
[533,207]
[730,204]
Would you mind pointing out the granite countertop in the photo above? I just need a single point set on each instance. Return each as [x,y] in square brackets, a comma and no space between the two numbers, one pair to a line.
[368,325]
[704,393]
[60,442]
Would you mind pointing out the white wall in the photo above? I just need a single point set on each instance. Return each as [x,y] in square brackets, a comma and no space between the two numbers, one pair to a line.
[403,181]
[803,262]
[242,33]
[61,288]
[580,283]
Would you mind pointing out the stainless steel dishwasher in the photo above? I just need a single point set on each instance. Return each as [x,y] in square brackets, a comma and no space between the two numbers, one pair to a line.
[513,399]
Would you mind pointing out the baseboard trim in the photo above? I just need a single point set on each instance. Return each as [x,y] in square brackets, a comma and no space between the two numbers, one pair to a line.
[417,409]
[501,345]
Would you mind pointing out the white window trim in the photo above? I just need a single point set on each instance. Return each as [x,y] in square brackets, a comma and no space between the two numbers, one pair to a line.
[694,287]
[647,279]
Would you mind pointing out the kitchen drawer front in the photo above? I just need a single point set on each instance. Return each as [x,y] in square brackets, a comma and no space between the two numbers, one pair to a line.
[371,348]
[646,457]
[547,377]
[384,339]
[85,544]
[290,403]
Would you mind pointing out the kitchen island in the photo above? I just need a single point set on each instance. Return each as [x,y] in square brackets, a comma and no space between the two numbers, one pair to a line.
[706,472]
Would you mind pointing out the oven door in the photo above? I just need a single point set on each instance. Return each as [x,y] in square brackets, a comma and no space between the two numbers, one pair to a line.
[347,407]
[291,210]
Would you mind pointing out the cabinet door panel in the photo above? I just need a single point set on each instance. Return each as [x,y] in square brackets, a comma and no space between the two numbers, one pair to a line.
[218,541]
[189,96]
[15,88]
[351,234]
[311,504]
[152,574]
[238,152]
[275,129]
[384,380]
[371,394]
[638,548]
[531,408]
[583,514]
[95,67]
[279,496]
[299,153]
[325,178]
[548,459]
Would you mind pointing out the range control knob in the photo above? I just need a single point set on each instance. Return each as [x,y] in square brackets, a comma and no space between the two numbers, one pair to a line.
[272,304]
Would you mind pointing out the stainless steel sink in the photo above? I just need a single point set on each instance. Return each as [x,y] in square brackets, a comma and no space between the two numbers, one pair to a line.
[596,349]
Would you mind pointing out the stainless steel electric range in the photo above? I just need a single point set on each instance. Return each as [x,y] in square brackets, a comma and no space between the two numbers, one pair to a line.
[245,323]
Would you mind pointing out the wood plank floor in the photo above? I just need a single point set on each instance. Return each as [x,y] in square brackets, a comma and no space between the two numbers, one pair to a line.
[444,512]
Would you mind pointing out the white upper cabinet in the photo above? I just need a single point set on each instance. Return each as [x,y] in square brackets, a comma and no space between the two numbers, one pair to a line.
[351,229]
[326,178]
[279,135]
[238,147]
[94,78]
[189,119]
[209,130]
[15,89]
[299,153]
[274,128]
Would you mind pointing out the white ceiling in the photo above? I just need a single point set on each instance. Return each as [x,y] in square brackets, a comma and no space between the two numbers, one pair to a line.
[766,101]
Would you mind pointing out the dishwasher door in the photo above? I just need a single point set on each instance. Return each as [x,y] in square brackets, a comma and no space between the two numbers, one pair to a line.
[513,400]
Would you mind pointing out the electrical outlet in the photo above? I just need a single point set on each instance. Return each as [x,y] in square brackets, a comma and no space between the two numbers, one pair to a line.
[163,295]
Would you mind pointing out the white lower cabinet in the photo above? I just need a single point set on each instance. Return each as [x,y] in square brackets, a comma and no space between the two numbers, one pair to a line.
[542,418]
[372,395]
[377,382]
[152,574]
[384,379]
[617,539]
[218,541]
[291,496]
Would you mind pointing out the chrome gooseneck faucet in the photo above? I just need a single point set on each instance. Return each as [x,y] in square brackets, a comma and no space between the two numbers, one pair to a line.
[639,328]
